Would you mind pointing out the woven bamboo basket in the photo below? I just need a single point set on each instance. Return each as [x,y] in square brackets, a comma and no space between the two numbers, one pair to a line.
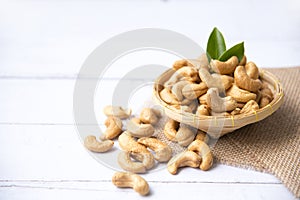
[217,126]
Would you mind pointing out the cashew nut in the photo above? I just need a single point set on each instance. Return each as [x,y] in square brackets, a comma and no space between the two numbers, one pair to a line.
[243,61]
[224,114]
[227,81]
[219,104]
[127,143]
[117,111]
[136,129]
[204,151]
[168,97]
[146,158]
[203,61]
[209,80]
[181,63]
[202,99]
[202,136]
[170,129]
[249,107]
[127,164]
[114,128]
[177,89]
[149,116]
[226,67]
[266,96]
[193,105]
[222,82]
[187,73]
[187,108]
[240,105]
[252,70]
[163,152]
[127,179]
[202,110]
[244,81]
[236,111]
[146,161]
[183,159]
[91,143]
[200,62]
[193,91]
[184,108]
[184,135]
[240,95]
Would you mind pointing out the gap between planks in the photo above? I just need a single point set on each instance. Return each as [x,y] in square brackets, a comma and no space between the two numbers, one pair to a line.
[167,182]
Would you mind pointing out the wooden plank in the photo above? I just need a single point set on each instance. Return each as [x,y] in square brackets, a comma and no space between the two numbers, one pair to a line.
[166,190]
[46,152]
[32,47]
[50,101]
[45,101]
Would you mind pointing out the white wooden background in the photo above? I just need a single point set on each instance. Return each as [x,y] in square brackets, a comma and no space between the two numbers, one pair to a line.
[42,47]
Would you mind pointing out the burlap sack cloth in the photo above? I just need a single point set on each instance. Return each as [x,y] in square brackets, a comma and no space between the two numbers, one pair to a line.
[271,145]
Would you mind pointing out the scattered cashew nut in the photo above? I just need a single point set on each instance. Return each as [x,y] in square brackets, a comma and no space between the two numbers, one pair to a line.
[91,143]
[202,136]
[117,111]
[146,159]
[149,116]
[184,135]
[127,179]
[114,128]
[183,159]
[204,151]
[127,143]
[170,129]
[163,152]
[127,164]
[136,129]
[219,104]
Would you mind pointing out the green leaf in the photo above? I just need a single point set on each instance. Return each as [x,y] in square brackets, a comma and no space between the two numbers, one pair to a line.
[216,44]
[237,50]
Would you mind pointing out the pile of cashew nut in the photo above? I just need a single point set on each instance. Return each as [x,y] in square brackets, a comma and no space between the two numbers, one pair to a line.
[136,143]
[216,88]
[141,151]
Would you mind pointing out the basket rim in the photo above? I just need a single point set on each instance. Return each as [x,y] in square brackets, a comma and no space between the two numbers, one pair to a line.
[268,110]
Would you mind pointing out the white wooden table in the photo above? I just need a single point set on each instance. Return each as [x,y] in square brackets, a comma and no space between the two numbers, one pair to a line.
[42,47]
